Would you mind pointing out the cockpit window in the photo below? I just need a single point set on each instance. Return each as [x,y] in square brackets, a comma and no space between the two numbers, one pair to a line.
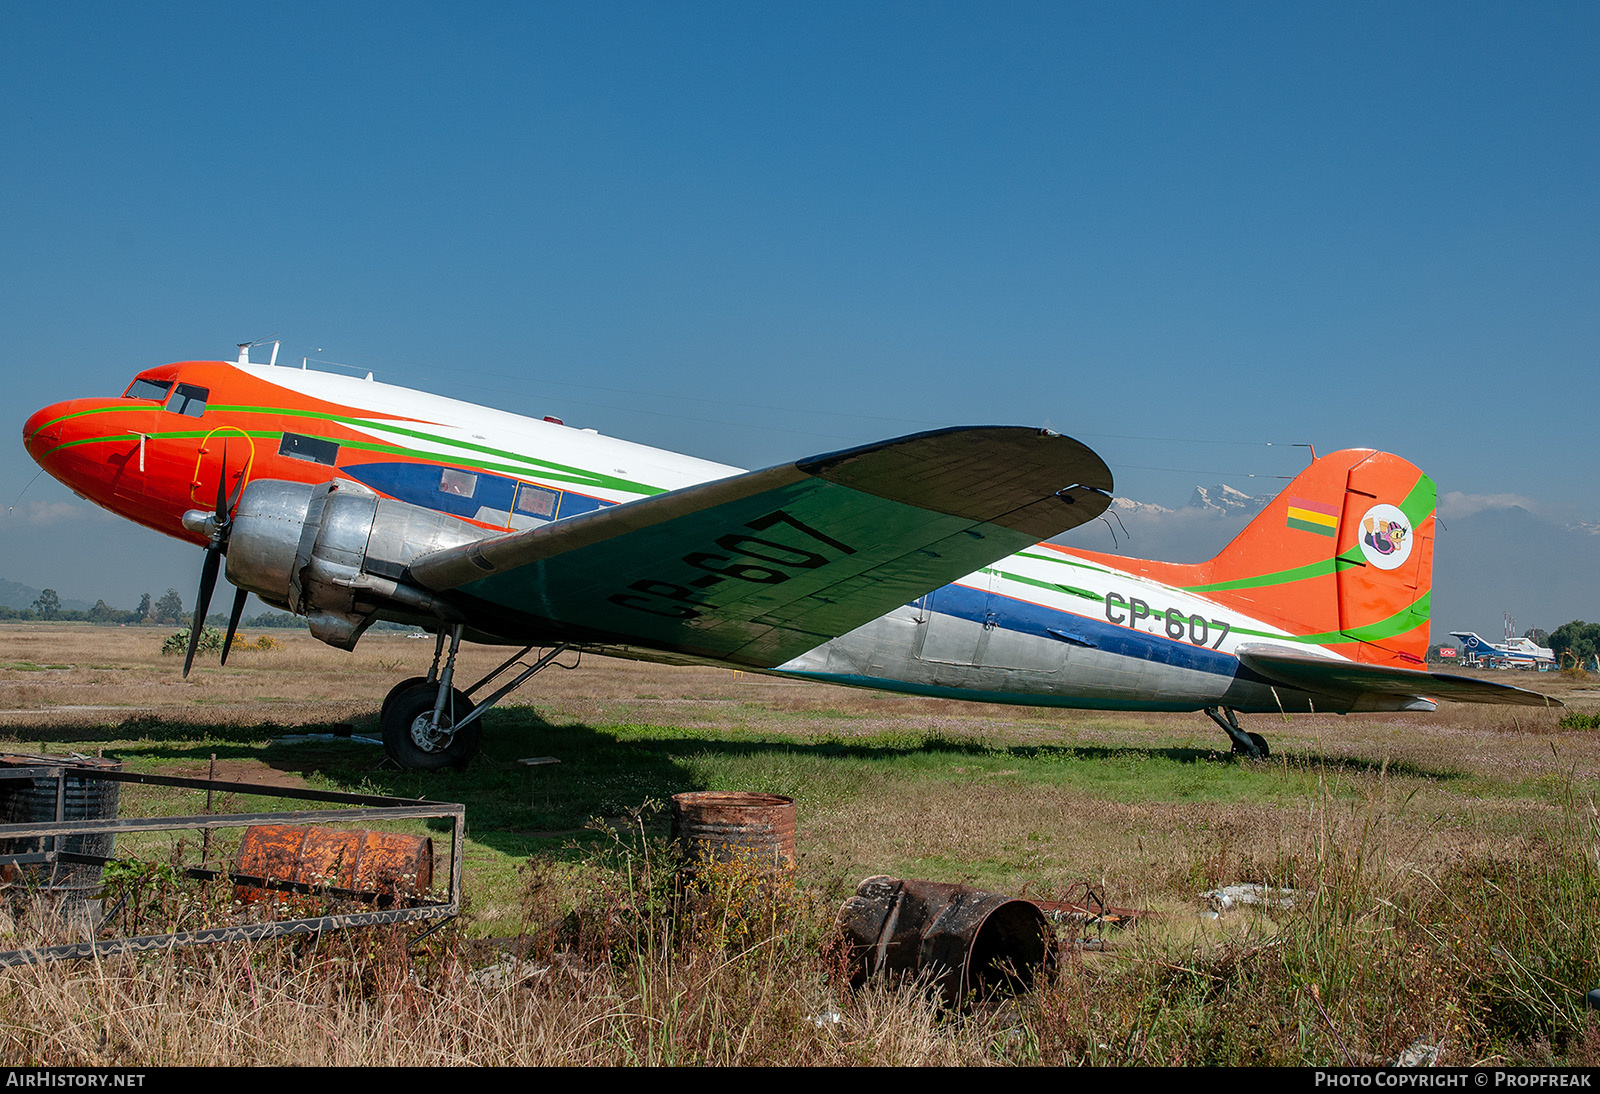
[314,449]
[189,400]
[148,389]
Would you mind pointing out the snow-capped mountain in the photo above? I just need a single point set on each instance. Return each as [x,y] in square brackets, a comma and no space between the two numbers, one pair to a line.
[1222,498]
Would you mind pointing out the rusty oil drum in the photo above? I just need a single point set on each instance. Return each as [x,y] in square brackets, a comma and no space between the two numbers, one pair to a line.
[380,866]
[964,939]
[721,825]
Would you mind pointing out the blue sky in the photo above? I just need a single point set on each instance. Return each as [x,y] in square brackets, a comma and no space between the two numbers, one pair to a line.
[758,231]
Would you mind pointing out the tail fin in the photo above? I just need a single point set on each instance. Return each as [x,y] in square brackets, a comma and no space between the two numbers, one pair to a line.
[1343,557]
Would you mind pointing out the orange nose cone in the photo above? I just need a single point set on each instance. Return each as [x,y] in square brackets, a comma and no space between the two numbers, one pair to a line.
[42,431]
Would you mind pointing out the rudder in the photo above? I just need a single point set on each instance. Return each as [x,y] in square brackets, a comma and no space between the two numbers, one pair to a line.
[1342,558]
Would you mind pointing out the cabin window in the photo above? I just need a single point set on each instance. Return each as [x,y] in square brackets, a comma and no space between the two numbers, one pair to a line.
[154,390]
[460,483]
[188,400]
[536,501]
[297,446]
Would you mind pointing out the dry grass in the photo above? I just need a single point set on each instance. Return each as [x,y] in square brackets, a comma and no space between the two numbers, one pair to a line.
[1453,860]
[338,1006]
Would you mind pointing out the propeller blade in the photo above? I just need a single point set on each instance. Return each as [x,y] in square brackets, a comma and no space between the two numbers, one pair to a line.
[208,582]
[233,495]
[222,489]
[239,596]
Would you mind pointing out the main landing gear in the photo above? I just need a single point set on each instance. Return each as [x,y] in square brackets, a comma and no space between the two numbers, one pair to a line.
[1253,745]
[429,724]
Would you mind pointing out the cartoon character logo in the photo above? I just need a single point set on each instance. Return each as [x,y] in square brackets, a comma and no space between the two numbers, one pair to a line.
[1385,537]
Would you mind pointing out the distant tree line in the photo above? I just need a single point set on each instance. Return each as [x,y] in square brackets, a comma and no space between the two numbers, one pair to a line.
[165,611]
[265,620]
[151,612]
[1579,639]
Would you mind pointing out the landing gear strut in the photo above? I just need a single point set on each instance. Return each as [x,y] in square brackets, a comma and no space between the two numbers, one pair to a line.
[1253,745]
[429,725]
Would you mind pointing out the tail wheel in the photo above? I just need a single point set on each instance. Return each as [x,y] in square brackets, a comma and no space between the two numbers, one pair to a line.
[413,741]
[1259,752]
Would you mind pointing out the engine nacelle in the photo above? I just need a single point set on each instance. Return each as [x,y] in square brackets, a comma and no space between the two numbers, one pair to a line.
[335,553]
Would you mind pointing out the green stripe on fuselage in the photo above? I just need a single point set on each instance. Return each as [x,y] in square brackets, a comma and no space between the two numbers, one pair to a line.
[528,465]
[532,463]
[101,410]
[1051,585]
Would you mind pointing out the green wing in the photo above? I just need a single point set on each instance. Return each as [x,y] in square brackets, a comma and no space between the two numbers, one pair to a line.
[760,567]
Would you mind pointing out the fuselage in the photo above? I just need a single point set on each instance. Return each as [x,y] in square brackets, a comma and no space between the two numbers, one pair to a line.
[1048,625]
[1517,652]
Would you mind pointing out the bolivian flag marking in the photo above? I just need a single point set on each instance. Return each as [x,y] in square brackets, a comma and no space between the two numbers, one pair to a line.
[1313,516]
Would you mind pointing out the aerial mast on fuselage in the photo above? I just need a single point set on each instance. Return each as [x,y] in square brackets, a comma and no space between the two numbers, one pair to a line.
[246,347]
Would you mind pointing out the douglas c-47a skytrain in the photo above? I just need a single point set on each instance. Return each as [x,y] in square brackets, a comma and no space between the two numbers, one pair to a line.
[913,564]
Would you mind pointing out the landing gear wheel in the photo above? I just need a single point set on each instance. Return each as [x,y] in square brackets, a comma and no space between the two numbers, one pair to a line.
[412,741]
[1251,745]
[388,700]
[1260,751]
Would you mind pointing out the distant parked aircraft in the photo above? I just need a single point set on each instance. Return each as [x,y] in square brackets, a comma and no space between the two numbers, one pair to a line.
[1515,652]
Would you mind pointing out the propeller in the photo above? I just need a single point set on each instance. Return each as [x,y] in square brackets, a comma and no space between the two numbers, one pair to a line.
[239,597]
[221,523]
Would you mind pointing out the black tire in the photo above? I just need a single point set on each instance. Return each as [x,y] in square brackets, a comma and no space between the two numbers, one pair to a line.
[1255,738]
[404,738]
[388,700]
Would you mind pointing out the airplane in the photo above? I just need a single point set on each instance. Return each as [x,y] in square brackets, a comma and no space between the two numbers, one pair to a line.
[916,564]
[1515,652]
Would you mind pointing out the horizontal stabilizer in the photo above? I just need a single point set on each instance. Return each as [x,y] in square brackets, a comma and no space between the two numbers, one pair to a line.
[760,567]
[1309,672]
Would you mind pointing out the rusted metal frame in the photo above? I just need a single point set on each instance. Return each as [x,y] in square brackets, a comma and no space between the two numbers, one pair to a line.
[57,771]
[368,808]
[458,837]
[44,858]
[509,688]
[222,820]
[201,873]
[429,930]
[284,885]
[456,813]
[244,932]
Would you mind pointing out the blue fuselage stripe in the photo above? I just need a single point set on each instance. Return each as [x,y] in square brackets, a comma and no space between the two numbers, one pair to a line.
[419,484]
[1036,621]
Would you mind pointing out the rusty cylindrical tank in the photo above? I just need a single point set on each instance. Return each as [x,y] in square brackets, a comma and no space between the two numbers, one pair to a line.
[966,940]
[720,825]
[388,865]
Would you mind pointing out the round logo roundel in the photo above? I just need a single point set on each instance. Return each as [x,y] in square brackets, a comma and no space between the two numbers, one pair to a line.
[1385,537]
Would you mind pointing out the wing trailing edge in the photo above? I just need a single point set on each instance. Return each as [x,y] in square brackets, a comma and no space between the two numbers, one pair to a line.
[1313,673]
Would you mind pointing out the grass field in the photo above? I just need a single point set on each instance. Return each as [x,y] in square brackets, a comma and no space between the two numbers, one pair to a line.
[1446,870]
